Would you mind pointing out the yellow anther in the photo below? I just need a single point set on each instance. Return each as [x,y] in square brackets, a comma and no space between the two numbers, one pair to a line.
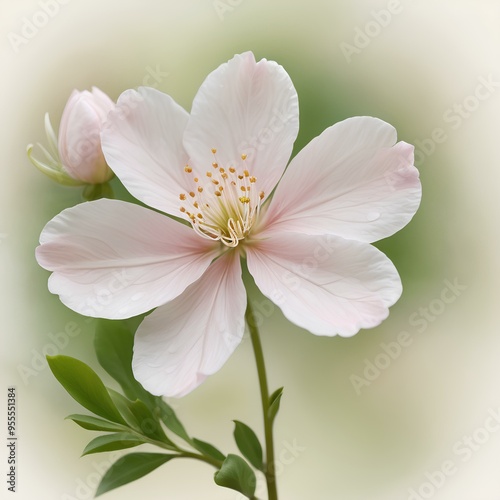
[182,209]
[200,189]
[243,156]
[221,170]
[233,183]
[215,165]
[195,204]
[224,175]
[215,181]
[217,193]
[188,169]
[196,179]
[199,216]
[191,193]
[209,174]
[240,177]
[244,199]
[243,188]
[261,195]
[221,188]
[182,197]
[246,173]
[232,170]
[214,151]
[252,179]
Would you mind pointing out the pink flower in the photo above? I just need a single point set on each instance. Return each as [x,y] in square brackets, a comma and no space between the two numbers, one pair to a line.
[307,248]
[76,158]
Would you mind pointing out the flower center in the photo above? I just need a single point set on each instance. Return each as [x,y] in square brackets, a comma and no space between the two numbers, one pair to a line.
[226,206]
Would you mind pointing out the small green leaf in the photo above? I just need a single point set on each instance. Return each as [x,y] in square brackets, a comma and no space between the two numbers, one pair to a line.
[114,343]
[274,403]
[169,418]
[123,406]
[94,423]
[84,385]
[236,474]
[112,442]
[208,450]
[140,418]
[129,468]
[148,424]
[248,443]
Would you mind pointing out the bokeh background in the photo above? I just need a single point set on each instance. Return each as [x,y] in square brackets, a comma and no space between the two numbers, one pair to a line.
[416,64]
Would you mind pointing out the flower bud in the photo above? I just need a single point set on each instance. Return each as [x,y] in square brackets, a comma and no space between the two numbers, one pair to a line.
[76,157]
[80,136]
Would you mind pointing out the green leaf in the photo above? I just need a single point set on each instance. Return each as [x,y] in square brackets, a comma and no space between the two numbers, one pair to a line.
[129,468]
[114,343]
[248,443]
[148,424]
[140,418]
[112,442]
[94,423]
[208,450]
[236,474]
[169,418]
[123,406]
[274,403]
[83,385]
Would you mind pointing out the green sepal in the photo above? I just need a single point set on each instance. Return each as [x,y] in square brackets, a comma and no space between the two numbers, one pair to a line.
[112,442]
[130,468]
[52,168]
[93,192]
[94,424]
[84,386]
[208,449]
[236,474]
[274,403]
[248,443]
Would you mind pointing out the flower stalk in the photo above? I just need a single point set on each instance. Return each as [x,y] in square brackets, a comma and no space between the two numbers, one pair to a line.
[264,393]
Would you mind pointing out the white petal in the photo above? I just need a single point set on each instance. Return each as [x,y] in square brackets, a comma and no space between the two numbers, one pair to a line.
[244,107]
[112,259]
[181,343]
[142,143]
[352,180]
[325,284]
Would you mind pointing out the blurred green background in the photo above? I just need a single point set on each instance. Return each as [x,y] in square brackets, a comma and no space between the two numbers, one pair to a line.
[417,65]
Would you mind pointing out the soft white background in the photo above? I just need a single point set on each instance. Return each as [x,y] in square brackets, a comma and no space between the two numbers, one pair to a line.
[371,446]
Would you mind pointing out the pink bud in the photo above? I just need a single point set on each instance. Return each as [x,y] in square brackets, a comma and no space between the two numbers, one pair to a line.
[79,141]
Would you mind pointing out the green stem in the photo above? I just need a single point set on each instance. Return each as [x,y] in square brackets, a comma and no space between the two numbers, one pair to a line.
[264,394]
